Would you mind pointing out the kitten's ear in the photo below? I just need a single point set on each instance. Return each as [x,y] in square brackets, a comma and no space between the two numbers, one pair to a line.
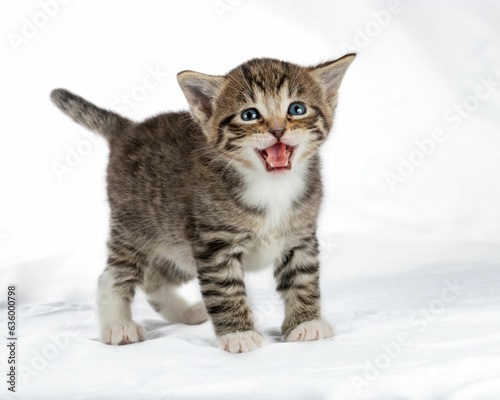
[201,91]
[330,75]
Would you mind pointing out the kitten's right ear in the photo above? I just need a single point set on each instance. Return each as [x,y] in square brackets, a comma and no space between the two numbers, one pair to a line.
[201,92]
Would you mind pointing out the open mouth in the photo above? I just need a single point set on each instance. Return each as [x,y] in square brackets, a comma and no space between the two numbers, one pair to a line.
[277,157]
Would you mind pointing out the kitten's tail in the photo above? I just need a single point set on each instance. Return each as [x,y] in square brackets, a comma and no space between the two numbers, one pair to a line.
[105,122]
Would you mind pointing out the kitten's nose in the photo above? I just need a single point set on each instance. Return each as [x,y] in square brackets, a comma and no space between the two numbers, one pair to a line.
[277,132]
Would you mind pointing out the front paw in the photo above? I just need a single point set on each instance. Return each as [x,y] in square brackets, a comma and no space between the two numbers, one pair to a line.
[316,329]
[240,342]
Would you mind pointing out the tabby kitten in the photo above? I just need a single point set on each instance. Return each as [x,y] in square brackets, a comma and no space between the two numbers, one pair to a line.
[231,187]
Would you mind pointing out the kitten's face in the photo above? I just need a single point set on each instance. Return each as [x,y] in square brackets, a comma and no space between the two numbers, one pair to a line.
[266,115]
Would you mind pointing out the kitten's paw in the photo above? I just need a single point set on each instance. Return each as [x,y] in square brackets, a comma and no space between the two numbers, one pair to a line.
[316,329]
[119,333]
[240,342]
[195,315]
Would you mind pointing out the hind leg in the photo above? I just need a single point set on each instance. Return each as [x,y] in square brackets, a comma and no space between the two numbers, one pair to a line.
[161,286]
[174,308]
[115,293]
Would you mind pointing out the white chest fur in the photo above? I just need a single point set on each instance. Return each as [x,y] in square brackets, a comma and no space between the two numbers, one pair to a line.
[275,193]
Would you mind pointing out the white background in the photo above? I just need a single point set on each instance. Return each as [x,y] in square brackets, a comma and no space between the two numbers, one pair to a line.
[417,62]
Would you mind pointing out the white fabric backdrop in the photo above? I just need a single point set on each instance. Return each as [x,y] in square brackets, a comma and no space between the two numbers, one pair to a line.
[411,177]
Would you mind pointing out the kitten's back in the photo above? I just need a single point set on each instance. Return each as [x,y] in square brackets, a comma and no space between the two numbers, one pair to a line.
[150,163]
[150,171]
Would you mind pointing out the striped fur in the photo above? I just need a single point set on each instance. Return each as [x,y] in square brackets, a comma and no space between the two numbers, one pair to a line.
[191,198]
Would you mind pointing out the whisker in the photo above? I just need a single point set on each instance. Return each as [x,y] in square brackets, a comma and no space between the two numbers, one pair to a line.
[229,163]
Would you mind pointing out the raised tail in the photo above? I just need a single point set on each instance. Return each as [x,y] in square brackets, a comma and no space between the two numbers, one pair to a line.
[105,122]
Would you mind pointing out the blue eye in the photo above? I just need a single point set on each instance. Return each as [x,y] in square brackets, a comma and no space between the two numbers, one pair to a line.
[250,114]
[297,108]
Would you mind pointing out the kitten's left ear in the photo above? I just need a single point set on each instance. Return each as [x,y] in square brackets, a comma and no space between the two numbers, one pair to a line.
[330,75]
[201,92]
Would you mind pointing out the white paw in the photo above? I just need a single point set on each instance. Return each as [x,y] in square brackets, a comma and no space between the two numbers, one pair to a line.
[126,332]
[240,342]
[316,329]
[195,315]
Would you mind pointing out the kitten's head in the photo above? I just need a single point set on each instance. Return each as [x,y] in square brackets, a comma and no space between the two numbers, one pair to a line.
[266,114]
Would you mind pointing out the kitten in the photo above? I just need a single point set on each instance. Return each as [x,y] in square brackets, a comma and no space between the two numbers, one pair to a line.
[231,187]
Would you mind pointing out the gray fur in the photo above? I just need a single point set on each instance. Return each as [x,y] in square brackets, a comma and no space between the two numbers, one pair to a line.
[176,187]
[105,122]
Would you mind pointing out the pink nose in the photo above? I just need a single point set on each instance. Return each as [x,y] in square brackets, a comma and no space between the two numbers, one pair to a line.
[278,133]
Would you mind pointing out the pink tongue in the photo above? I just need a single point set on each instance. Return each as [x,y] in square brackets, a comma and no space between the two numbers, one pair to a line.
[276,155]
